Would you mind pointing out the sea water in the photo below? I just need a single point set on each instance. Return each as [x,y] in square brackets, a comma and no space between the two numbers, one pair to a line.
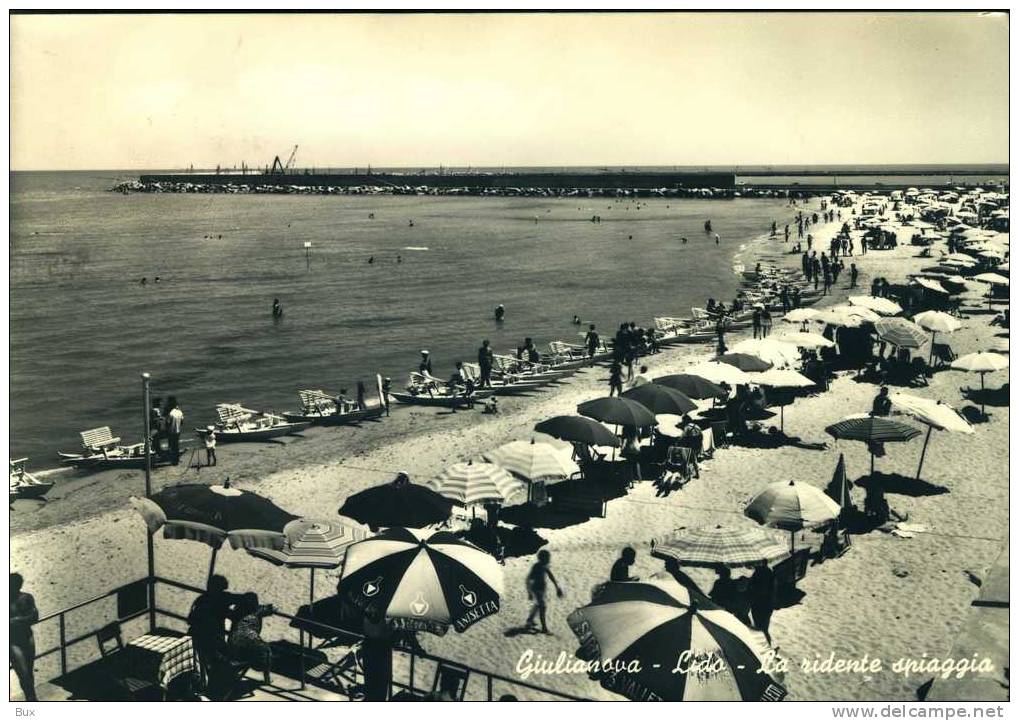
[83,327]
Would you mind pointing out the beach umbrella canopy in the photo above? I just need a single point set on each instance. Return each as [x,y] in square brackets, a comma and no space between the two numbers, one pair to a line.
[991,278]
[872,429]
[421,580]
[982,363]
[618,411]
[937,321]
[719,373]
[732,546]
[660,399]
[691,386]
[881,306]
[532,461]
[805,340]
[960,259]
[473,484]
[859,311]
[669,425]
[577,429]
[930,284]
[935,414]
[212,514]
[773,351]
[840,318]
[783,378]
[792,506]
[647,634]
[800,315]
[314,543]
[746,363]
[900,332]
[397,503]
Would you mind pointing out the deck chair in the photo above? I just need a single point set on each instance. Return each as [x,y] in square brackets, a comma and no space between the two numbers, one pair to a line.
[720,431]
[680,464]
[447,674]
[231,414]
[111,647]
[98,440]
[919,371]
[109,639]
[943,355]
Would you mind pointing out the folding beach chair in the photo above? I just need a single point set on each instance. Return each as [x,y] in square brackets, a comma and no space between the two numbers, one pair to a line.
[680,465]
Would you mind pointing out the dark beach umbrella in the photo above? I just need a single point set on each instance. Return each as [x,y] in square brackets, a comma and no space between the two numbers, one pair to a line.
[421,580]
[691,386]
[397,504]
[900,332]
[618,411]
[212,514]
[661,399]
[652,636]
[870,430]
[745,362]
[577,429]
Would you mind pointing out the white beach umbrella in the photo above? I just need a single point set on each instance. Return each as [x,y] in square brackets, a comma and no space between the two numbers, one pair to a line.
[800,315]
[883,306]
[859,311]
[532,461]
[936,322]
[930,284]
[982,363]
[934,413]
[837,317]
[720,373]
[777,353]
[991,278]
[1001,346]
[805,340]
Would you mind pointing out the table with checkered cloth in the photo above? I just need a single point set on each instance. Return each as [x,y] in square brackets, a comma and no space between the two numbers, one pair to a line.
[170,655]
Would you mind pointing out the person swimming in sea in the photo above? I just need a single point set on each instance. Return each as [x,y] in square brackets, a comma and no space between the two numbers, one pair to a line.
[716,238]
[410,224]
[277,308]
[683,240]
[707,226]
[576,320]
[371,260]
[500,312]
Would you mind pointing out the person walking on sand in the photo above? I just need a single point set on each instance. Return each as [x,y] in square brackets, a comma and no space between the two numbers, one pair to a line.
[853,274]
[23,613]
[175,424]
[756,321]
[361,405]
[616,379]
[765,323]
[762,598]
[387,383]
[592,341]
[537,587]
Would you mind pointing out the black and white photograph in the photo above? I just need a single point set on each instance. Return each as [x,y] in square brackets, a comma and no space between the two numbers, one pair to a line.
[445,355]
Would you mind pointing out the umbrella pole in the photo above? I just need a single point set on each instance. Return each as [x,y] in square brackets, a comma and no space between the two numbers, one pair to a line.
[924,451]
[792,542]
[872,465]
[150,551]
[212,567]
[934,334]
[615,429]
[781,418]
[982,411]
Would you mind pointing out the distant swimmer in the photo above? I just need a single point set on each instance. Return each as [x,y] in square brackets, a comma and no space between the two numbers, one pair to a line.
[371,260]
[157,278]
[277,308]
[144,281]
[500,312]
[716,238]
[371,216]
[399,259]
[410,223]
[707,226]
[683,240]
[576,320]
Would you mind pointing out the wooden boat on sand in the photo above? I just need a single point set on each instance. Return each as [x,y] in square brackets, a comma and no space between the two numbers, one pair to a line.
[24,484]
[100,450]
[237,424]
[320,408]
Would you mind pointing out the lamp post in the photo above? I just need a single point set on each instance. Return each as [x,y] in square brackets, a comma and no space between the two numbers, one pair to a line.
[150,550]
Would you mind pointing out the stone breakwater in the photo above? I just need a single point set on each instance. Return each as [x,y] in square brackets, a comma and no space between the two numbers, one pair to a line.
[297,188]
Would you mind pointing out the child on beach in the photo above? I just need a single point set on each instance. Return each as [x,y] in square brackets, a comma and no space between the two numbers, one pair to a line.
[537,587]
[616,379]
[210,446]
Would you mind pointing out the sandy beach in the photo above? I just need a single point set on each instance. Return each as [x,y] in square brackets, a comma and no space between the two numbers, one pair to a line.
[887,598]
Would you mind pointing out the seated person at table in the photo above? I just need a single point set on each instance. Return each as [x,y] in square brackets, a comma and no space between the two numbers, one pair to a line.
[207,627]
[245,641]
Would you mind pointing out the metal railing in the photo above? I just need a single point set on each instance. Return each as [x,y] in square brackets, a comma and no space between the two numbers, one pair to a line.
[134,599]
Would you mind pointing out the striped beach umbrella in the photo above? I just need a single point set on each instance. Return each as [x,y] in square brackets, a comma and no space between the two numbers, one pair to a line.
[661,399]
[421,580]
[982,363]
[900,332]
[532,461]
[471,484]
[691,386]
[314,543]
[792,507]
[655,641]
[870,430]
[732,546]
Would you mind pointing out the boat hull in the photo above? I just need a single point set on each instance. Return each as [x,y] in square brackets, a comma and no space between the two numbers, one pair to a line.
[338,419]
[226,435]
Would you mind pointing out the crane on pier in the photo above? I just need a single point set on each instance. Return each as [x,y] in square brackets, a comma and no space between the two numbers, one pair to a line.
[280,168]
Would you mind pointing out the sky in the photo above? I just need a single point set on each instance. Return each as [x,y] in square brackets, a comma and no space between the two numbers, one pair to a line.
[169,91]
